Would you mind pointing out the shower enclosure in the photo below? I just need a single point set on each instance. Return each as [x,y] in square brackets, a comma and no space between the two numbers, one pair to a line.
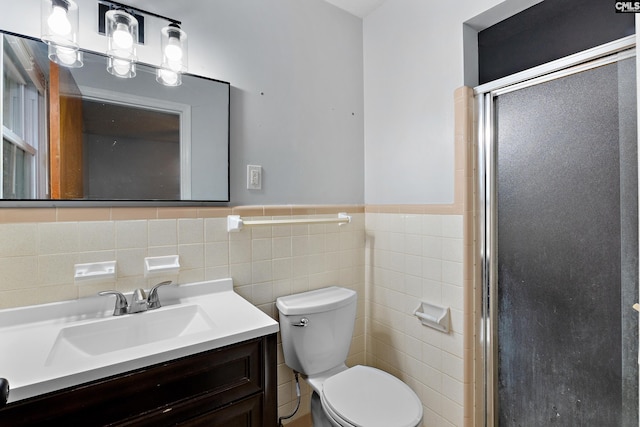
[558,173]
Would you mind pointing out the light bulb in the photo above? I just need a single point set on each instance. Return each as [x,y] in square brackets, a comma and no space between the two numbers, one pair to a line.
[65,55]
[122,38]
[168,77]
[58,21]
[173,49]
[121,67]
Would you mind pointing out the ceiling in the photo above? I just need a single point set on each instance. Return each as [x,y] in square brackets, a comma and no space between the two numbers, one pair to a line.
[360,8]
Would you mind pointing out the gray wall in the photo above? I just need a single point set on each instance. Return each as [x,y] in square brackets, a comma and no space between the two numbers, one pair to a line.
[296,71]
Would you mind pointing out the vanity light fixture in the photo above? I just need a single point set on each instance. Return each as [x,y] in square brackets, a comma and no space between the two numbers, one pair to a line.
[59,29]
[122,29]
[122,34]
[174,55]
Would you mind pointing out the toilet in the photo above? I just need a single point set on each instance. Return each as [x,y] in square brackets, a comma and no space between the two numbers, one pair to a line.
[316,329]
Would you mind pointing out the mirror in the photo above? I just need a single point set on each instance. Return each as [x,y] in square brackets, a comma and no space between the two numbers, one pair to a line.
[82,134]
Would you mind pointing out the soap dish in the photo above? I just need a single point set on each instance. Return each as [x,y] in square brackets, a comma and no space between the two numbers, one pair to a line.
[95,271]
[169,264]
[434,316]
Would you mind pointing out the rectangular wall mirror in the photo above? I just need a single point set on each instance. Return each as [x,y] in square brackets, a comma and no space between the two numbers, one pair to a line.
[84,135]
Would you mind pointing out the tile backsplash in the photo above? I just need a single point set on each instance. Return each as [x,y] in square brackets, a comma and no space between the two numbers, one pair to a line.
[37,259]
[393,260]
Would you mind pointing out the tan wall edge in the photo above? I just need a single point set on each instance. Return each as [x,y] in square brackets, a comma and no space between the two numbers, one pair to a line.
[451,209]
[15,215]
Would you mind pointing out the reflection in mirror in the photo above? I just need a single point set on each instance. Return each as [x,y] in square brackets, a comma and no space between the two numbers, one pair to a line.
[121,158]
[83,134]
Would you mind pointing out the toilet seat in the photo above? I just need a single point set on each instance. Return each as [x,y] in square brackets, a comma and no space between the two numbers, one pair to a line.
[363,396]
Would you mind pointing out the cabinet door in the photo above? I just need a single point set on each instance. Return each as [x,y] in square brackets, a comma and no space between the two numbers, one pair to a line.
[162,394]
[246,413]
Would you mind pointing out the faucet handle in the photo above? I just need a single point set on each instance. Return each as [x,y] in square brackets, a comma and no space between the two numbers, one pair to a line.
[121,302]
[152,300]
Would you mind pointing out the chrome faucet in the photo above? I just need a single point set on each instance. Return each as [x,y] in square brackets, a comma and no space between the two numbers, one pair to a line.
[139,300]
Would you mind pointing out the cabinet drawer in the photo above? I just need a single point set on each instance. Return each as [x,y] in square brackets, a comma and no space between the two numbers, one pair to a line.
[246,413]
[214,378]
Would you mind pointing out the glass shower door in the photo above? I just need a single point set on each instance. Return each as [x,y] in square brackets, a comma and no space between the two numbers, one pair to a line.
[565,250]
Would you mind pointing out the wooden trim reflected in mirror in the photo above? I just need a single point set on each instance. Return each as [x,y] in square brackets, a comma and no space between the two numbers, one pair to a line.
[65,135]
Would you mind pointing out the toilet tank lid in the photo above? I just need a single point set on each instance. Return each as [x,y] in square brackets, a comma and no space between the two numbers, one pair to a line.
[317,301]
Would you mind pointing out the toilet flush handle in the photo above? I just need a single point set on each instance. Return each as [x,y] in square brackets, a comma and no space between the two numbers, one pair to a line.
[303,322]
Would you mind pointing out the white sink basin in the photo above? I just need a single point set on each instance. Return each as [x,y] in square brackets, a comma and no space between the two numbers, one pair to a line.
[52,346]
[128,331]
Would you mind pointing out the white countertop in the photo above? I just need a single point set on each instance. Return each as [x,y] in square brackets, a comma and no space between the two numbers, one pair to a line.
[36,357]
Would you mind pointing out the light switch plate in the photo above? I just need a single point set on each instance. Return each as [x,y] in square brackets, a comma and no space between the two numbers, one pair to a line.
[254,177]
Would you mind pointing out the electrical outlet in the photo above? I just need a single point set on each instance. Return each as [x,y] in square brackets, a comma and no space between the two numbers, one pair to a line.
[254,177]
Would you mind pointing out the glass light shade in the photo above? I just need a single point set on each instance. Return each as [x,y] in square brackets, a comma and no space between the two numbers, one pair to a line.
[122,33]
[59,24]
[174,48]
[67,57]
[168,77]
[122,68]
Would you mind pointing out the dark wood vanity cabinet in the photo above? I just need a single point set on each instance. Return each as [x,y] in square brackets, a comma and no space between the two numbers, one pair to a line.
[230,386]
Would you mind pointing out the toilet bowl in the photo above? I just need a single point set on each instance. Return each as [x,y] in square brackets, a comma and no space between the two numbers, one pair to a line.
[316,329]
[366,396]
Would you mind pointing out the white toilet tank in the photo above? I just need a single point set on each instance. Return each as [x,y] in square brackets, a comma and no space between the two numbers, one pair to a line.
[323,343]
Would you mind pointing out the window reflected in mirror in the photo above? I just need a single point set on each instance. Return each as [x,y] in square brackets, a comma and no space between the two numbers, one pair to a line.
[23,94]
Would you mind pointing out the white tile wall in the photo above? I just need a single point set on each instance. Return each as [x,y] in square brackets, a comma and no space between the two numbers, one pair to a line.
[394,261]
[36,264]
[412,258]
